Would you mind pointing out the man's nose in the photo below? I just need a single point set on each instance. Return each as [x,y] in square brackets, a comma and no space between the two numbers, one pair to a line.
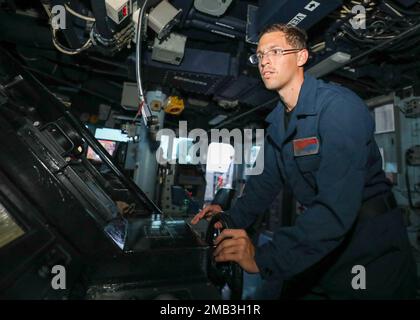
[264,61]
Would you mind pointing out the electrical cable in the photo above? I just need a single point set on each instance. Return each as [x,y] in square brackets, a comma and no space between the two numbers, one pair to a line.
[138,111]
[389,29]
[143,107]
[138,50]
[69,51]
[76,14]
[397,8]
[72,51]
[389,41]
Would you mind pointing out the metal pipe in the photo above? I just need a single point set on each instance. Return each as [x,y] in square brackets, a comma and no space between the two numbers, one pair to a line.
[227,22]
[229,120]
[379,101]
[215,29]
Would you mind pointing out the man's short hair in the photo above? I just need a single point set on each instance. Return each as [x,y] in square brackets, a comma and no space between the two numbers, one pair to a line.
[295,36]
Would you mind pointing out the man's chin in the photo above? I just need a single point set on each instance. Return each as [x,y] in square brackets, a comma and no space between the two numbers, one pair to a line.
[271,86]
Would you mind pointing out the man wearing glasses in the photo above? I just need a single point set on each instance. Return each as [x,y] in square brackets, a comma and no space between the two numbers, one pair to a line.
[320,150]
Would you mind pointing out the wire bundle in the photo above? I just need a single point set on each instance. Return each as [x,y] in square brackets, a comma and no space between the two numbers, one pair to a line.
[72,51]
[384,21]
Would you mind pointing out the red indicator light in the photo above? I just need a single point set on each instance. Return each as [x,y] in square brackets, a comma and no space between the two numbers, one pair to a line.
[125,11]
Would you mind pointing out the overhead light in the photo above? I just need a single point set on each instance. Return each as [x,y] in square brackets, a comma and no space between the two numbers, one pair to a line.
[333,62]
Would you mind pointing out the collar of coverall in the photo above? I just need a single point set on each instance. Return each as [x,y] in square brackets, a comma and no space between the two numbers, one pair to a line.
[306,101]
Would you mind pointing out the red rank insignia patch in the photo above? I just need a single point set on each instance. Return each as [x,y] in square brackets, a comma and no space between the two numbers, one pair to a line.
[305,146]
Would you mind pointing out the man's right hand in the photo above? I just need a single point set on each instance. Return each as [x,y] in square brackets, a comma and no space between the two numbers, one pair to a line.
[208,212]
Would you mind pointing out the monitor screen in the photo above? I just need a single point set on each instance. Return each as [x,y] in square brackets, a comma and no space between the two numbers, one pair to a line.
[109,146]
[111,134]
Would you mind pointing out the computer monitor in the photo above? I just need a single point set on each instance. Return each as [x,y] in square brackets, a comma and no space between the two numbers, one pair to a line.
[110,147]
[111,134]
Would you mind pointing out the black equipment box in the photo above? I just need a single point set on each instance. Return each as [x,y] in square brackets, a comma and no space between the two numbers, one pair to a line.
[59,213]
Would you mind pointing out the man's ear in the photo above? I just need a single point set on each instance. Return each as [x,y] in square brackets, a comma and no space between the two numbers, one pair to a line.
[302,57]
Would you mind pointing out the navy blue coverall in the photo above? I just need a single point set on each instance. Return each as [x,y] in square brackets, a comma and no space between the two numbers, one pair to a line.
[332,178]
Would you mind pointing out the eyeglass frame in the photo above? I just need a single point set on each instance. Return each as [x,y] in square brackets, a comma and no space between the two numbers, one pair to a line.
[283,53]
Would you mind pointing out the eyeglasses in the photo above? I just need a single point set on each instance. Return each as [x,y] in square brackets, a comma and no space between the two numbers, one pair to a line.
[274,52]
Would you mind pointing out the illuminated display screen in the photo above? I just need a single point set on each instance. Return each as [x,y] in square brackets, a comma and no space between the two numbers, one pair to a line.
[109,146]
[111,134]
[9,230]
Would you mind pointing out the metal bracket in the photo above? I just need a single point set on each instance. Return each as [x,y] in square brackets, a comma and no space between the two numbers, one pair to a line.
[3,88]
[12,83]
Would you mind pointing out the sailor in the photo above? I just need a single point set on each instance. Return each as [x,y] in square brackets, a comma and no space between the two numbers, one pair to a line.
[320,147]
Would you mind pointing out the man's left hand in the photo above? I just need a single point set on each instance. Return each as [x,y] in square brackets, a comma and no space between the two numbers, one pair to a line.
[235,245]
